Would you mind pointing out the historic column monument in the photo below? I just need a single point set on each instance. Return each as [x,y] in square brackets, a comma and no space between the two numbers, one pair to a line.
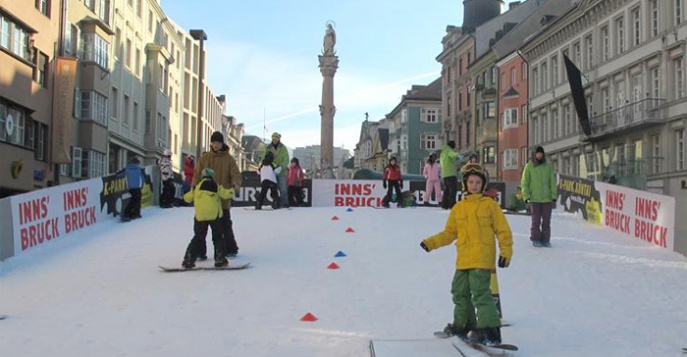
[329,62]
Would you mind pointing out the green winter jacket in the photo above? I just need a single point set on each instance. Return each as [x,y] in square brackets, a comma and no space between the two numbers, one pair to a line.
[538,182]
[281,158]
[447,161]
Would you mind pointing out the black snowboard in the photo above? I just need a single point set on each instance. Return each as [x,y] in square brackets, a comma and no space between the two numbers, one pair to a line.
[180,269]
[479,346]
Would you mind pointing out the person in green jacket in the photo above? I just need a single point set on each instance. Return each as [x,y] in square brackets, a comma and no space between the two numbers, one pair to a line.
[281,159]
[207,196]
[447,161]
[539,191]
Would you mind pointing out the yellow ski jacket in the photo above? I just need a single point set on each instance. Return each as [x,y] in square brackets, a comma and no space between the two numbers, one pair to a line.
[207,196]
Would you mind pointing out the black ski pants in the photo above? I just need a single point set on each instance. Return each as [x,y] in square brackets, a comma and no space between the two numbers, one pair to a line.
[198,248]
[450,192]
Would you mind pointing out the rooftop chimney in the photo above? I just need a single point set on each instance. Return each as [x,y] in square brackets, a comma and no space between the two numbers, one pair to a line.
[477,12]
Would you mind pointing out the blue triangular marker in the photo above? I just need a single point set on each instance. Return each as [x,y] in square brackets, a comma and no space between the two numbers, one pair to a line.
[340,254]
[349,209]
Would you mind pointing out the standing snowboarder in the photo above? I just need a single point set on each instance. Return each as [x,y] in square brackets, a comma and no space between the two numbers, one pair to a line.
[539,191]
[472,224]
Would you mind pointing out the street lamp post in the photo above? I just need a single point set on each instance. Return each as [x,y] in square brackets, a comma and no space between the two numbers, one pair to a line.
[201,36]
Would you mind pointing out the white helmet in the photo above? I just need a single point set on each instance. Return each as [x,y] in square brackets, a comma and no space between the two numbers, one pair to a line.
[167,152]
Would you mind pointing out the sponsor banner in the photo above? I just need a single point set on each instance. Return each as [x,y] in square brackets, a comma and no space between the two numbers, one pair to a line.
[418,190]
[250,189]
[41,216]
[63,103]
[578,195]
[349,193]
[639,214]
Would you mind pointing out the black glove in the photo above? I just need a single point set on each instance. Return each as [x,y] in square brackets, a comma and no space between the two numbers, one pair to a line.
[424,246]
[554,200]
[384,183]
[527,201]
[504,262]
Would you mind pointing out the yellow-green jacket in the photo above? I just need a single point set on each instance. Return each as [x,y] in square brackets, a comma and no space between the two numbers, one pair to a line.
[473,223]
[207,196]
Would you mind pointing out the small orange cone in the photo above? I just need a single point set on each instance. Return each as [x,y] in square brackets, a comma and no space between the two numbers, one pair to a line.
[335,218]
[349,230]
[309,318]
[333,266]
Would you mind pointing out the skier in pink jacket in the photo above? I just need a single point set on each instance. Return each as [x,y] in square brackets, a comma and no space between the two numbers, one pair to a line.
[432,173]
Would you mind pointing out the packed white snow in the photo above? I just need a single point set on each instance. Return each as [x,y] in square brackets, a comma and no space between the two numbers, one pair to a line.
[99,292]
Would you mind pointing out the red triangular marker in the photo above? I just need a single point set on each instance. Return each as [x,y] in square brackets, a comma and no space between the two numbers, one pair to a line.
[309,317]
[335,218]
[333,266]
[349,230]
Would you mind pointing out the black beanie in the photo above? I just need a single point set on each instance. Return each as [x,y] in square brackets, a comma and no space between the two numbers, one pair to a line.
[539,149]
[217,137]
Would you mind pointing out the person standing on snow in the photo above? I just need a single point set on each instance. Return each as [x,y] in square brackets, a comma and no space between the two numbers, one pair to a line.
[167,175]
[539,191]
[281,159]
[228,175]
[472,224]
[432,174]
[447,160]
[207,196]
[189,167]
[268,182]
[392,175]
[294,180]
[134,182]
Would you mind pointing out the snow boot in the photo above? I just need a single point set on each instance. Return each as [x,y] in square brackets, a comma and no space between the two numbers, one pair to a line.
[221,262]
[492,336]
[537,244]
[189,260]
[546,244]
[451,330]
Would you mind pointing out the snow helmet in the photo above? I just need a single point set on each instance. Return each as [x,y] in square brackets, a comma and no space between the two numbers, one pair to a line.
[208,173]
[473,169]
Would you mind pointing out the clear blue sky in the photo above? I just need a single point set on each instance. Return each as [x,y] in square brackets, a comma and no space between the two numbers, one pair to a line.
[262,54]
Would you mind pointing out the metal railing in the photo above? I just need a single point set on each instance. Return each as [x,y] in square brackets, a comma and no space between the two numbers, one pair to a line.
[644,111]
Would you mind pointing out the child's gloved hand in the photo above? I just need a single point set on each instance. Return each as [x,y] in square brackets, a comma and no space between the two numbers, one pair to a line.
[384,183]
[504,262]
[424,246]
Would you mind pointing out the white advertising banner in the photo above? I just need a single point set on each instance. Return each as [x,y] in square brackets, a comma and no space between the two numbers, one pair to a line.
[349,193]
[639,214]
[44,215]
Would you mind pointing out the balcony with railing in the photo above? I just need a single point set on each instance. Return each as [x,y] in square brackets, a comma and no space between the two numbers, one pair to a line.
[638,115]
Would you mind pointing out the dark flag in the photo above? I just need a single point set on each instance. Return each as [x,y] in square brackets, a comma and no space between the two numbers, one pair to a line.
[575,81]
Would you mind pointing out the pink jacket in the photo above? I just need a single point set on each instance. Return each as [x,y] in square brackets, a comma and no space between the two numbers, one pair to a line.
[432,172]
[294,176]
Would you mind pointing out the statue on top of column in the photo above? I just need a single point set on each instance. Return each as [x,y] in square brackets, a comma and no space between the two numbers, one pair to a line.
[329,40]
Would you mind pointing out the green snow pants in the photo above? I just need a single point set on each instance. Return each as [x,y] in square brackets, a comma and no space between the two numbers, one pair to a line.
[471,292]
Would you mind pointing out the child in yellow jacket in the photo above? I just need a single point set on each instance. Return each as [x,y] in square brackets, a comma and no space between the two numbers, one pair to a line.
[207,195]
[472,224]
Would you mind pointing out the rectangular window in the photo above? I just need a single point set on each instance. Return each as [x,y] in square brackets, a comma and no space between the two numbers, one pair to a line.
[5,34]
[524,114]
[606,44]
[678,66]
[104,11]
[93,107]
[43,6]
[655,84]
[656,154]
[490,109]
[95,49]
[577,54]
[40,73]
[504,85]
[93,163]
[510,118]
[20,41]
[554,70]
[544,76]
[620,35]
[488,155]
[535,81]
[77,164]
[554,124]
[428,141]
[129,54]
[138,63]
[139,8]
[567,120]
[512,77]
[677,11]
[41,142]
[115,103]
[524,71]
[653,6]
[429,115]
[126,113]
[510,159]
[135,116]
[589,48]
[636,26]
[680,148]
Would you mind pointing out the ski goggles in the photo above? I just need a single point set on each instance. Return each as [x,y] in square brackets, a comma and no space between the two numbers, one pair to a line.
[473,168]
